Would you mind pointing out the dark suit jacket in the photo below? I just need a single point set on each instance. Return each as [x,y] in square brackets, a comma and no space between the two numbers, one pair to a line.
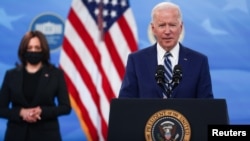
[139,80]
[51,85]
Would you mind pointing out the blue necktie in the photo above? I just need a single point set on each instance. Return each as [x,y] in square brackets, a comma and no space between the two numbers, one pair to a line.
[168,69]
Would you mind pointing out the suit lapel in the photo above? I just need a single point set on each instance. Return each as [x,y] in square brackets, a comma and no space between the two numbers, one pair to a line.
[152,61]
[19,83]
[183,58]
[183,62]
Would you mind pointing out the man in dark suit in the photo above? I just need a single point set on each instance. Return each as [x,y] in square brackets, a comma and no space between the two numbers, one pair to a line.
[139,80]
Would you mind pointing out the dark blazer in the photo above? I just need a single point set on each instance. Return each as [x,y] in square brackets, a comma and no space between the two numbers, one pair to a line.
[51,85]
[139,80]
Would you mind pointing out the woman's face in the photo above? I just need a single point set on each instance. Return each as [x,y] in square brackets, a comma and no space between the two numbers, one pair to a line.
[34,45]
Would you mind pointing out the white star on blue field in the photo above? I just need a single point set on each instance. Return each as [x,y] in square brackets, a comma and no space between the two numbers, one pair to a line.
[7,20]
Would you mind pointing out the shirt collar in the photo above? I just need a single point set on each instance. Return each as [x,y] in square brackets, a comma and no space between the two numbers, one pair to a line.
[161,52]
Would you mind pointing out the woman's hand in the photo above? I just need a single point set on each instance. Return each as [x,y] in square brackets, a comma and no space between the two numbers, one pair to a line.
[31,115]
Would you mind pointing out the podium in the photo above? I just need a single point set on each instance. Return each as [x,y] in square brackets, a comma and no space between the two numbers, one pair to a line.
[147,119]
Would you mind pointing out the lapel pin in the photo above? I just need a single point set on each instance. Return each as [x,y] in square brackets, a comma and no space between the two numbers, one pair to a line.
[185,59]
[46,75]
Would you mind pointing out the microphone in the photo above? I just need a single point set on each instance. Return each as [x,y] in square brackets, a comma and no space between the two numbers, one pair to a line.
[160,78]
[159,75]
[177,76]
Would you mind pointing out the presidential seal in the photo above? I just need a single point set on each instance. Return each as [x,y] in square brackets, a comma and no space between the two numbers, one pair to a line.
[167,125]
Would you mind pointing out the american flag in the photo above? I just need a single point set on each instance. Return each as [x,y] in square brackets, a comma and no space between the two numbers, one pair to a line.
[99,34]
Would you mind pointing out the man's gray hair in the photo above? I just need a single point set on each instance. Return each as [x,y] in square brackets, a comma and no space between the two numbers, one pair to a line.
[165,5]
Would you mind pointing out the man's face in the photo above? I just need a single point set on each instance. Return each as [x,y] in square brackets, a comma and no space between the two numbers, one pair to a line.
[166,27]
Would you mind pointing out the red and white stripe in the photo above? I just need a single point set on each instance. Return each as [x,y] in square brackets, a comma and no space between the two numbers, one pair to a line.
[94,66]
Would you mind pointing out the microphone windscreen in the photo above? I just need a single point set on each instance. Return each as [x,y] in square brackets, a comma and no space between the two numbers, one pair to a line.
[159,72]
[177,68]
[177,72]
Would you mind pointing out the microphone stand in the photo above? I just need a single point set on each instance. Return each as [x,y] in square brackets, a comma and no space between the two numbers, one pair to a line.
[172,85]
[165,89]
[169,89]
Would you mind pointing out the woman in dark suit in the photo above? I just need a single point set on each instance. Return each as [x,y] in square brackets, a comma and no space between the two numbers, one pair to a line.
[33,94]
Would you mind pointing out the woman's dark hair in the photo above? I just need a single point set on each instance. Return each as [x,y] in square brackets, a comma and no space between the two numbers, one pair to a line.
[25,42]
